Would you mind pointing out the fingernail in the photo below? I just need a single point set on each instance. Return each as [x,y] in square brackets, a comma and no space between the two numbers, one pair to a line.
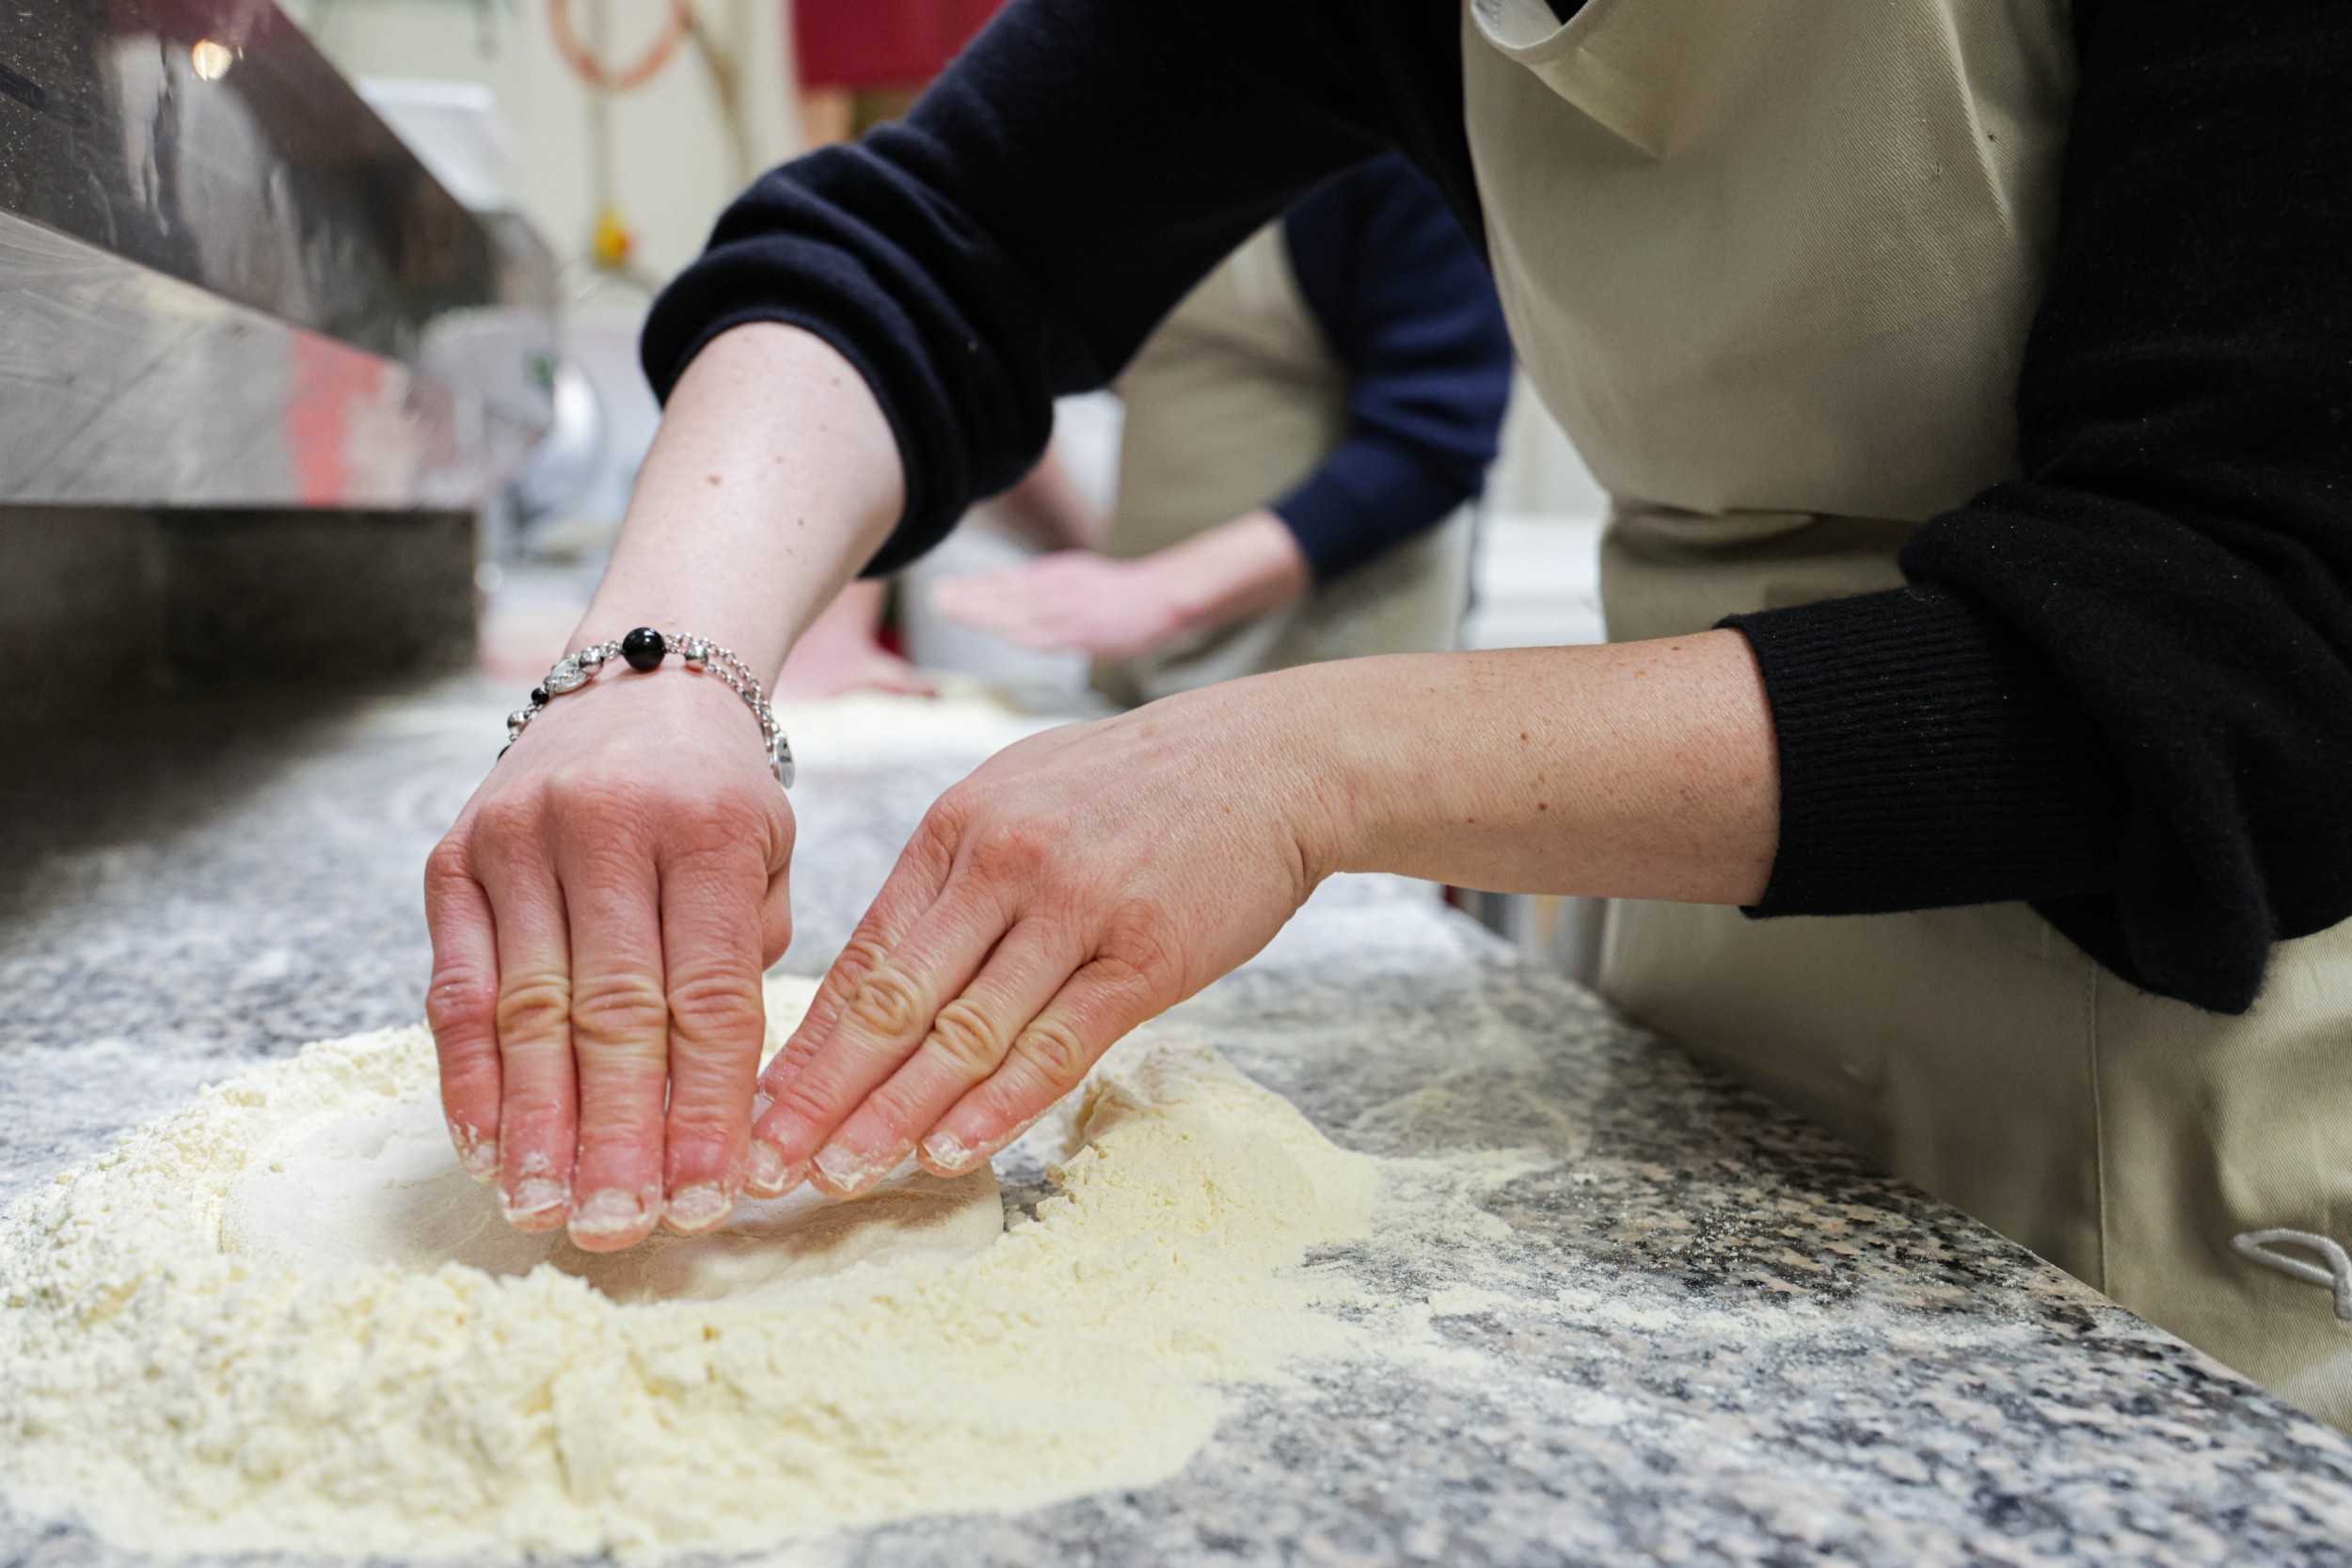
[848,1171]
[697,1207]
[610,1213]
[767,1174]
[477,1154]
[534,1198]
[761,1102]
[949,1153]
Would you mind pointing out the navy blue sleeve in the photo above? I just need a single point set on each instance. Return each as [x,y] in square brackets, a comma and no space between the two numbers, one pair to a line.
[1074,172]
[1408,308]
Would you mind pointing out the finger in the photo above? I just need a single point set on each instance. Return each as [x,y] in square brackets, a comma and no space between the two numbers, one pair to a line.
[537,1107]
[1048,1059]
[954,597]
[986,585]
[711,911]
[968,1042]
[884,1020]
[620,1042]
[1046,636]
[775,920]
[911,888]
[462,1005]
[980,611]
[1031,620]
[898,675]
[1005,603]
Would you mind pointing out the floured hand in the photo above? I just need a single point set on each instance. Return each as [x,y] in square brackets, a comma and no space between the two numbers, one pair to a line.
[1074,885]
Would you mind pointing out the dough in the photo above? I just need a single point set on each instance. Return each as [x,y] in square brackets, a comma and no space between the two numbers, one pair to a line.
[384,1186]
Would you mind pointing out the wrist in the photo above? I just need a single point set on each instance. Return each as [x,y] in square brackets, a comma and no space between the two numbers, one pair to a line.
[1321,758]
[647,651]
[1234,572]
[757,640]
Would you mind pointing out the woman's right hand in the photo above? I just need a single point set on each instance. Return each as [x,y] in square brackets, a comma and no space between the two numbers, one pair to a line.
[605,905]
[601,913]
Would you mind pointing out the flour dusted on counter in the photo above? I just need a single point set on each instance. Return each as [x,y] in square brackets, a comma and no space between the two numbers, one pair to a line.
[963,717]
[181,1396]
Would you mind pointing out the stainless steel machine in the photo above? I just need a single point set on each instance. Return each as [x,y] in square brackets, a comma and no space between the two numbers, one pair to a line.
[258,371]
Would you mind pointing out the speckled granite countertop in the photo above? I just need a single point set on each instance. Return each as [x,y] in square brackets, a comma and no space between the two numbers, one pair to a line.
[1714,1336]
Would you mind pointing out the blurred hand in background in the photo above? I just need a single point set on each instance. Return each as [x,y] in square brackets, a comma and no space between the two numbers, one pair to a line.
[1111,608]
[842,652]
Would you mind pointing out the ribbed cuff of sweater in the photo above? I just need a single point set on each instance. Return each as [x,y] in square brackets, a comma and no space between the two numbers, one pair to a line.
[1929,756]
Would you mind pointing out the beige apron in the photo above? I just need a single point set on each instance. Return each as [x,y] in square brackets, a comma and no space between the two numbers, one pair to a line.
[1772,267]
[1235,400]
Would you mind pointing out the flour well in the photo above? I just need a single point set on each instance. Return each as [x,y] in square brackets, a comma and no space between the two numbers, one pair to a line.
[195,1356]
[384,1186]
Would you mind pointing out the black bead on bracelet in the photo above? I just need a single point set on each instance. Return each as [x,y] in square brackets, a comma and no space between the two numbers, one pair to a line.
[643,650]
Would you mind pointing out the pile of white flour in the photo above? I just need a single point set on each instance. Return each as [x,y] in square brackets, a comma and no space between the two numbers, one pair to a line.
[205,1348]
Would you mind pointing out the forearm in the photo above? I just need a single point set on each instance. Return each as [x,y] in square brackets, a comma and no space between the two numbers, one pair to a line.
[1638,769]
[774,477]
[1234,572]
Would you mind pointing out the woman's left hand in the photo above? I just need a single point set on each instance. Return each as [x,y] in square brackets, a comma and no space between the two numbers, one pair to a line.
[1094,875]
[1072,887]
[1072,600]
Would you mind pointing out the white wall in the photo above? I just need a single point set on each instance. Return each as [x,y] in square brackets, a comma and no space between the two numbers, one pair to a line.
[1536,577]
[673,162]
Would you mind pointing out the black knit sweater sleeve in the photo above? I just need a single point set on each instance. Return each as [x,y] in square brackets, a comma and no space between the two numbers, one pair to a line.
[2121,685]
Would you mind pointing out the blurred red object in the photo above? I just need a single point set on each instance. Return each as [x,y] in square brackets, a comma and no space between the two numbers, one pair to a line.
[864,44]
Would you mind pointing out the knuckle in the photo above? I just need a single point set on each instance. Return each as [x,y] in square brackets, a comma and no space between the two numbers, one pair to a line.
[716,1003]
[966,1039]
[787,1063]
[719,822]
[803,1103]
[603,792]
[595,808]
[533,1008]
[949,816]
[504,820]
[889,1003]
[450,861]
[1014,850]
[1055,1052]
[458,1002]
[619,1010]
[864,955]
[932,848]
[1136,957]
[775,929]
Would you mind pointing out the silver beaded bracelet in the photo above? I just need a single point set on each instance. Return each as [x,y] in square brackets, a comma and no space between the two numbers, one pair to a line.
[643,650]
